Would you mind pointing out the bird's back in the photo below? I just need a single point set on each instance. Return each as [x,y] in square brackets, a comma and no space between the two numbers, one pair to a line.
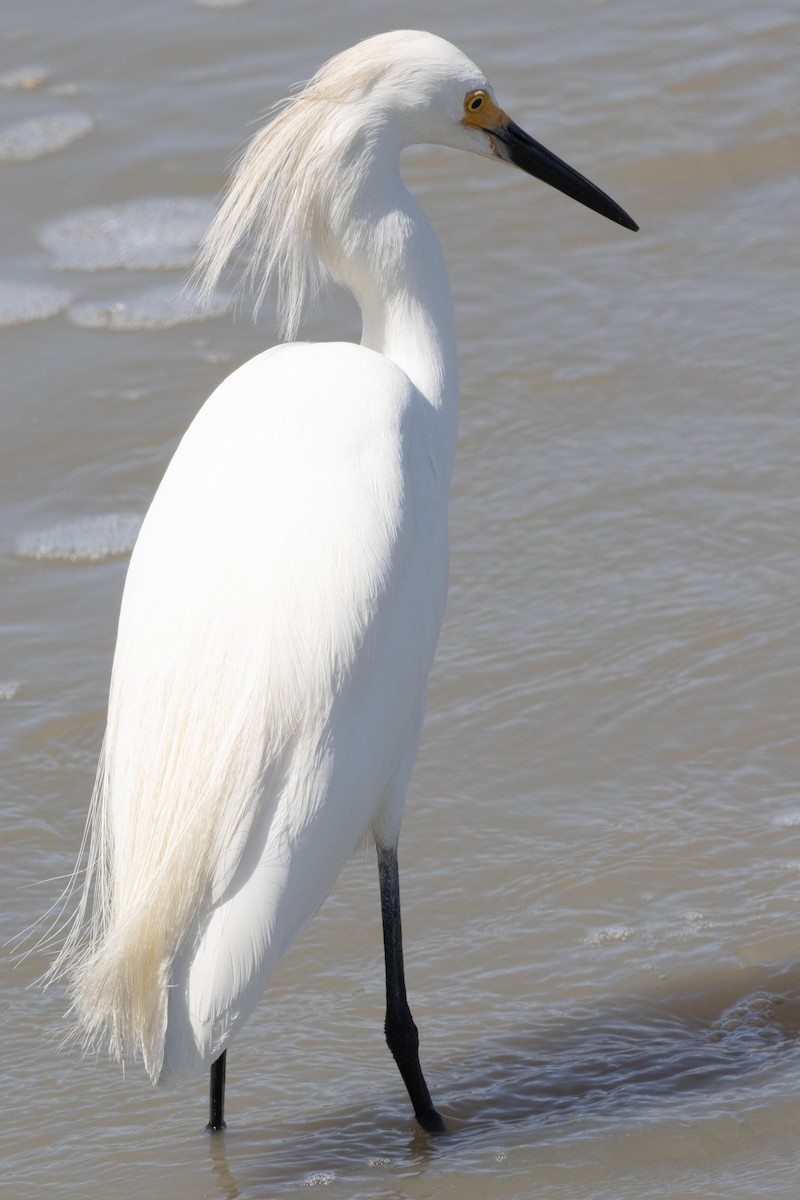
[278,623]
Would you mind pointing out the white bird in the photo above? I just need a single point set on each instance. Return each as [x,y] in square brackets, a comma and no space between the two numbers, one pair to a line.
[285,594]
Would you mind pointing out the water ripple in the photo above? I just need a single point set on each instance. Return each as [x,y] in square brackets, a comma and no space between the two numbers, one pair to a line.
[21,302]
[162,308]
[158,233]
[37,136]
[85,539]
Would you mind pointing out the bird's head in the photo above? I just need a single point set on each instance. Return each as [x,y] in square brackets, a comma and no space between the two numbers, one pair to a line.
[306,179]
[429,92]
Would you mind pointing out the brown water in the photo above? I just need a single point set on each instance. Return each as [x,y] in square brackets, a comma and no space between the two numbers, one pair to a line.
[601,853]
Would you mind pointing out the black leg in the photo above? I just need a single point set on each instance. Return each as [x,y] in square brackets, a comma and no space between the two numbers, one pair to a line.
[401,1032]
[217,1094]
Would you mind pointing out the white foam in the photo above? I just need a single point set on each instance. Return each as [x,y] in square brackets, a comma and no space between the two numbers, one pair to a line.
[8,688]
[753,1018]
[38,136]
[789,820]
[21,302]
[85,539]
[162,308]
[609,935]
[24,78]
[155,234]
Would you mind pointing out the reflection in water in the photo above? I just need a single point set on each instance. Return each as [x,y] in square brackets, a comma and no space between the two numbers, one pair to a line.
[641,1058]
[362,1144]
[637,1053]
[219,1163]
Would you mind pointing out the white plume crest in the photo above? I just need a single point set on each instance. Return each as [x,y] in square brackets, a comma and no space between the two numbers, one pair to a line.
[297,180]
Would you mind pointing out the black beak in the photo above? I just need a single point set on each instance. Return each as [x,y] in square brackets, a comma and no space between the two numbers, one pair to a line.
[515,146]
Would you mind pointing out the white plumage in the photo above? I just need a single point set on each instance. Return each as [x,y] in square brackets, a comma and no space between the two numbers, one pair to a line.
[286,591]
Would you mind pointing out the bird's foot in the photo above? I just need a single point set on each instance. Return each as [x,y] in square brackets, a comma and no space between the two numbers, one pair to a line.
[431,1121]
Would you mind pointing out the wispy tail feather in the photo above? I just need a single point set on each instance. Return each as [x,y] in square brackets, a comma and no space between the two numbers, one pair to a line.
[168,795]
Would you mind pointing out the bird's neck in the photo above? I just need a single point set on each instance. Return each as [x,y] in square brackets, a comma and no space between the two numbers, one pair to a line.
[392,262]
[406,305]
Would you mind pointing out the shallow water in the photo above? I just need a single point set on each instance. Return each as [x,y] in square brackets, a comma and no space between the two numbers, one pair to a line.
[601,853]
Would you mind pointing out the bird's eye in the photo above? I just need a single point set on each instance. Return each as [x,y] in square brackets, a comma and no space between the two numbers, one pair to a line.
[475,101]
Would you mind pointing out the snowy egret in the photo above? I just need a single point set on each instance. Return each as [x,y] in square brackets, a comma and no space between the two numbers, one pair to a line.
[284,597]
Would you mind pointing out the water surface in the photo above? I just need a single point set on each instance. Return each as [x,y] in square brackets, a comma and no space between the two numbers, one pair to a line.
[601,852]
